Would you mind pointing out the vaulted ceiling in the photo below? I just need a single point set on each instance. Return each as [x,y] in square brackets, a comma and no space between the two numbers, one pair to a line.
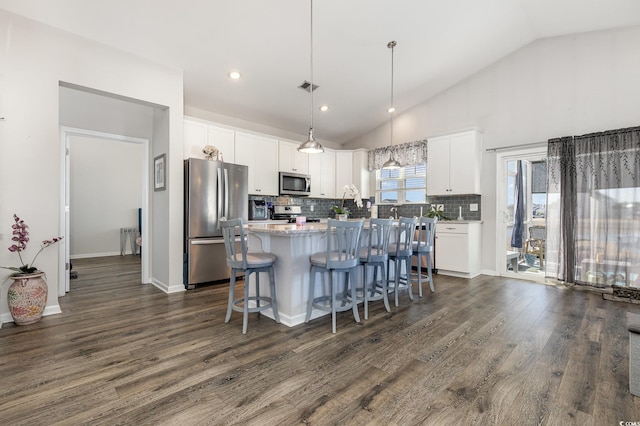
[439,43]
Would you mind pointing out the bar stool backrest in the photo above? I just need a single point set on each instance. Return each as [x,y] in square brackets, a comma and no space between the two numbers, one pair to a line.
[232,229]
[426,233]
[404,237]
[379,234]
[343,243]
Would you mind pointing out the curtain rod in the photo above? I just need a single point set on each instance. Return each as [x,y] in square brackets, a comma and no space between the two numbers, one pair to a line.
[527,145]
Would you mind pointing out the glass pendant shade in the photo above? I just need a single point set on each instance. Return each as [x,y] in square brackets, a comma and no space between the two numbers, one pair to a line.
[311,146]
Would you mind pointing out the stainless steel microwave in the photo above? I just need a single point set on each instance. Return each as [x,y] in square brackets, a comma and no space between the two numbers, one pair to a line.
[295,184]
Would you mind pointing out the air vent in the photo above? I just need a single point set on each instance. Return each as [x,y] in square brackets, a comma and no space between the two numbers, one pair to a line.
[306,85]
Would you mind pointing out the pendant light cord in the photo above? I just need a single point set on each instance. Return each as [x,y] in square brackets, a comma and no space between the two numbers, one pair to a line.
[391,45]
[311,64]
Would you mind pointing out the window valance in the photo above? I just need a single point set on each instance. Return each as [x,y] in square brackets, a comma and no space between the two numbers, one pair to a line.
[408,154]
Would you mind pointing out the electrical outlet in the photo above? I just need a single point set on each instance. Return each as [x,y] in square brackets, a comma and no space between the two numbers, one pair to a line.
[473,207]
[312,207]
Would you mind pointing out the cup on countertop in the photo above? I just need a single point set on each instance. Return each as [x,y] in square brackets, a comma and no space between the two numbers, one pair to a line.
[301,220]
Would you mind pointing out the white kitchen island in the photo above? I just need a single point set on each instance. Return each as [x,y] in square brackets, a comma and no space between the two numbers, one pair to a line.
[292,245]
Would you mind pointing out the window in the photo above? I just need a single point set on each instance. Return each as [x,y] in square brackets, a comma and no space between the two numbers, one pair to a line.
[402,186]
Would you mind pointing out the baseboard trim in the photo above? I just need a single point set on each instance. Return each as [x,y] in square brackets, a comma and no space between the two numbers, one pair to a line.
[48,310]
[175,288]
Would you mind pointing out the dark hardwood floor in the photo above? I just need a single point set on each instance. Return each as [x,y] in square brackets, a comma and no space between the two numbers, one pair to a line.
[482,351]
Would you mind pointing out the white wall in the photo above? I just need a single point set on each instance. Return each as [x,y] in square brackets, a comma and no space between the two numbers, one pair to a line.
[553,87]
[106,193]
[34,59]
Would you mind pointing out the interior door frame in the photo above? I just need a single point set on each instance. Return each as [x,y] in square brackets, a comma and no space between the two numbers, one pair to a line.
[66,133]
[530,154]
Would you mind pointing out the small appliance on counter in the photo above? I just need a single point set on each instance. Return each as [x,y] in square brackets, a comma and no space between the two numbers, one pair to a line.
[290,213]
[258,210]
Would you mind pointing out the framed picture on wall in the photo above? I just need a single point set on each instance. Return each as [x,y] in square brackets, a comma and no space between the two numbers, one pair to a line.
[159,172]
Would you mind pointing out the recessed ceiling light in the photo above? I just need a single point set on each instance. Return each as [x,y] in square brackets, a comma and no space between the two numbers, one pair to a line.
[324,108]
[391,109]
[234,75]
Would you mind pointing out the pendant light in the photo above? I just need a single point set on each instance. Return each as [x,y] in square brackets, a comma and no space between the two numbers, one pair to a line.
[391,163]
[311,146]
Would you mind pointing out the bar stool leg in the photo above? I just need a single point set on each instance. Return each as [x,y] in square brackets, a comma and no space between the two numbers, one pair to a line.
[245,310]
[365,291]
[354,303]
[334,289]
[232,287]
[312,283]
[385,289]
[420,274]
[407,265]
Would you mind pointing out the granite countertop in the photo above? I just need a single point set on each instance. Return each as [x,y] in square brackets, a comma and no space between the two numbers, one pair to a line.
[287,228]
[314,227]
[459,221]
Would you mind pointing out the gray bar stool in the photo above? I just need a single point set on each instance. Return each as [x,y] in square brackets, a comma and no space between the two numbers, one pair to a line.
[233,232]
[376,254]
[400,252]
[423,247]
[341,255]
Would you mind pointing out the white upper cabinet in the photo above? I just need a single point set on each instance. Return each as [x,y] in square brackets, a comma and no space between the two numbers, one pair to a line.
[224,140]
[197,134]
[344,171]
[290,160]
[361,173]
[453,164]
[260,154]
[322,168]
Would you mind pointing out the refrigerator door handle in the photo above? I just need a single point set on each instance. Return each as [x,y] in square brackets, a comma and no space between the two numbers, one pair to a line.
[226,193]
[205,242]
[220,211]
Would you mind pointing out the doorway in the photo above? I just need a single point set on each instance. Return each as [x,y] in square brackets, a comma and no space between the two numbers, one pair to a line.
[81,138]
[521,182]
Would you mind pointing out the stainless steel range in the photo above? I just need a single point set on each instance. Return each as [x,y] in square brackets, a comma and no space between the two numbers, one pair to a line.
[289,213]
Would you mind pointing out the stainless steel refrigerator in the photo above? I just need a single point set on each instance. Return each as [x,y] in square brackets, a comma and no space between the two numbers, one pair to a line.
[213,190]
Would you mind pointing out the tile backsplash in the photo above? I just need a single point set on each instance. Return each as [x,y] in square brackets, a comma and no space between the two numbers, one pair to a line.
[322,206]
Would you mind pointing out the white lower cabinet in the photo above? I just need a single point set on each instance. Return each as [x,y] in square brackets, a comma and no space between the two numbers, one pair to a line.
[458,249]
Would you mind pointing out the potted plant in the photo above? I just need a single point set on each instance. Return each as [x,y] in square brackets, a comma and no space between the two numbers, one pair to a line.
[27,295]
[437,213]
[341,212]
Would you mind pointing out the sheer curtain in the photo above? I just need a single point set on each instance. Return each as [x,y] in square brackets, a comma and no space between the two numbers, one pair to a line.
[593,205]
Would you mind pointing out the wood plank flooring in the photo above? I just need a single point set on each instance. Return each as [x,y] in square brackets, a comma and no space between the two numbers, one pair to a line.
[486,351]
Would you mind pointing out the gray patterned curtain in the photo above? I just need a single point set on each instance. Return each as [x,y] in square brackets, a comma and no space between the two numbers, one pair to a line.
[593,206]
[518,214]
[408,154]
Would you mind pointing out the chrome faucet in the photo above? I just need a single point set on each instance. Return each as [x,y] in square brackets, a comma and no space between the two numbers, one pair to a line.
[395,212]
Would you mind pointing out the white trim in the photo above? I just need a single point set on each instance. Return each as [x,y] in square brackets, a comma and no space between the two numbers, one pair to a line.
[48,310]
[105,254]
[175,288]
[531,153]
[65,134]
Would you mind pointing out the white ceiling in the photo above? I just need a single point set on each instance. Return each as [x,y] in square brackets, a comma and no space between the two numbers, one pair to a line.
[439,43]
